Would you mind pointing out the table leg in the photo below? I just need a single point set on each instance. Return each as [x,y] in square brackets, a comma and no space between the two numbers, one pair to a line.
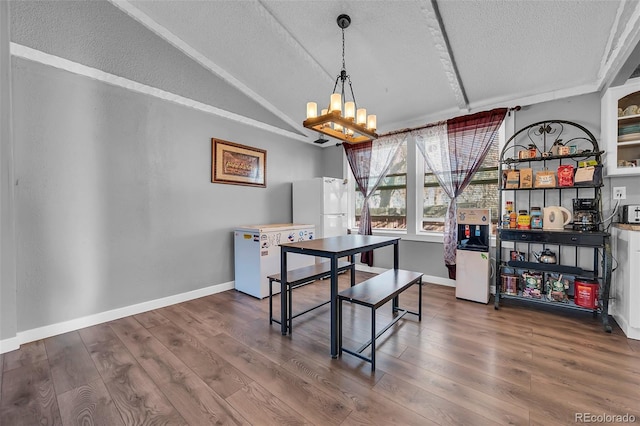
[420,299]
[373,339]
[396,256]
[352,259]
[334,307]
[340,327]
[283,292]
[396,263]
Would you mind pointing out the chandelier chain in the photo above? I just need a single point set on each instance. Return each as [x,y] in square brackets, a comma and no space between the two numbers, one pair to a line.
[344,67]
[344,76]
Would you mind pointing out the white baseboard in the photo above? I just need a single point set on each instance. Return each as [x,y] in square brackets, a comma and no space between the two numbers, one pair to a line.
[27,336]
[8,345]
[431,279]
[367,268]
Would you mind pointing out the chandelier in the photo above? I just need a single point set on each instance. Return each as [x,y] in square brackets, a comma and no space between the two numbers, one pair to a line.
[342,119]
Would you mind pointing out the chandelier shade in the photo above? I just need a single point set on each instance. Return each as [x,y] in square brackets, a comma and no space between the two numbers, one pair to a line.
[342,119]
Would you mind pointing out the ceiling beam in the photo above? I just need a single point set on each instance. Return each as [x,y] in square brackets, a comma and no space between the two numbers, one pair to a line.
[624,53]
[441,43]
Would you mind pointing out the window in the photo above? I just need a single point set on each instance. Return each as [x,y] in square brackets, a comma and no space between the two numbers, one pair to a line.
[388,204]
[482,192]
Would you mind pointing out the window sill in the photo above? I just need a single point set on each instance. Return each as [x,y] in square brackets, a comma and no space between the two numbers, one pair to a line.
[427,237]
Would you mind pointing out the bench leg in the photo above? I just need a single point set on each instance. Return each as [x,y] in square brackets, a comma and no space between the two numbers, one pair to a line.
[270,302]
[420,299]
[290,312]
[283,293]
[373,339]
[395,303]
[340,327]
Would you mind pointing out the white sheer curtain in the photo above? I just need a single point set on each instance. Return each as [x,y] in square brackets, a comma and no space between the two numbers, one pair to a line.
[370,163]
[454,151]
[433,143]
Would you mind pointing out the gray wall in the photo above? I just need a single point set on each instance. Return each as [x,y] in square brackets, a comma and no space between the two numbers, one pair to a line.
[583,109]
[420,256]
[8,324]
[113,198]
[333,161]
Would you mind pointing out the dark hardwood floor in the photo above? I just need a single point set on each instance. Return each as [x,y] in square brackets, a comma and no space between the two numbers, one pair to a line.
[216,360]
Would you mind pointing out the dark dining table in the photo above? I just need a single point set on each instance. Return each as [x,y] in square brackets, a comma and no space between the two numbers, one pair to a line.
[332,248]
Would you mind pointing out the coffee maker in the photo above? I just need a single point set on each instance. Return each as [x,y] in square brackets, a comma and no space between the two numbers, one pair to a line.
[586,215]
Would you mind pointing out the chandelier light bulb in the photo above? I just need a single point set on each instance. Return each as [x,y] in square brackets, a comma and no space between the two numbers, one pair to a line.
[361,116]
[312,110]
[350,110]
[336,102]
[337,127]
[372,122]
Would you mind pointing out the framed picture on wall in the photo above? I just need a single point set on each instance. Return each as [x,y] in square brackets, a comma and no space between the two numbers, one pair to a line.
[237,164]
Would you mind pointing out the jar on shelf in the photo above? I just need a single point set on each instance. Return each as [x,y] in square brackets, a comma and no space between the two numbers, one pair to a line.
[524,220]
[536,218]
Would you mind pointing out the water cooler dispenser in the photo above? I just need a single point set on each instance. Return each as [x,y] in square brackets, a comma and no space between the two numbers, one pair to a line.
[472,256]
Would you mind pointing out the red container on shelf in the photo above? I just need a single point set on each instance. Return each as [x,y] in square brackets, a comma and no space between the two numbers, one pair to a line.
[510,284]
[586,293]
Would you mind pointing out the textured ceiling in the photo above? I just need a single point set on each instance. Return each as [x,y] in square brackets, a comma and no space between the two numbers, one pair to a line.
[265,59]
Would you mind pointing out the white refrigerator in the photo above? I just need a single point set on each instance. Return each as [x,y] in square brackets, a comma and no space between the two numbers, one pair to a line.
[321,202]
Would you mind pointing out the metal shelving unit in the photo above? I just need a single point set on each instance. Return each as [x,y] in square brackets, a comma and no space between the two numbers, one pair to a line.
[581,253]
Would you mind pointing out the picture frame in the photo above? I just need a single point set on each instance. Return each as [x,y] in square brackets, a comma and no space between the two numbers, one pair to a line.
[235,164]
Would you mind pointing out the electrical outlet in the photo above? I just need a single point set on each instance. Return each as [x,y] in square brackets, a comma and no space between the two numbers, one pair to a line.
[619,192]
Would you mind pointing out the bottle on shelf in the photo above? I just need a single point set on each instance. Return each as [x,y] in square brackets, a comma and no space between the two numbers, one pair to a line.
[507,215]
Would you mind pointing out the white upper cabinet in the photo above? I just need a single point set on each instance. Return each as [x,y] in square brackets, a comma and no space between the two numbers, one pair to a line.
[620,109]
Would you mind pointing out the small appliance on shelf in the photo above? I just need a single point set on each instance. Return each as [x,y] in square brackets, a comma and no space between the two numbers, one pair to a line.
[555,218]
[586,215]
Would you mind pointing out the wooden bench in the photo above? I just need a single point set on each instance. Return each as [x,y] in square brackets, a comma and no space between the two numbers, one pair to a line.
[299,277]
[373,293]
